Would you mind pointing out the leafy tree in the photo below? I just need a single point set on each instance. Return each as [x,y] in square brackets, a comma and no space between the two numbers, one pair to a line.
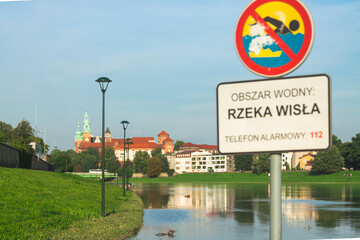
[89,159]
[261,163]
[154,167]
[21,136]
[170,172]
[336,141]
[345,153]
[23,131]
[164,164]
[156,152]
[111,162]
[177,144]
[328,161]
[5,132]
[63,160]
[353,158]
[243,162]
[140,161]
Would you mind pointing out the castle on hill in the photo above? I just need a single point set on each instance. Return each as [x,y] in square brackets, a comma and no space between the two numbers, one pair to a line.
[84,139]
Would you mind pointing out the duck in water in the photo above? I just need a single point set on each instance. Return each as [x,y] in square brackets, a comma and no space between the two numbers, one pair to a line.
[170,233]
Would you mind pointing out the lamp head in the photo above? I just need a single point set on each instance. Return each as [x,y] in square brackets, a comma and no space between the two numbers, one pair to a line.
[125,124]
[104,83]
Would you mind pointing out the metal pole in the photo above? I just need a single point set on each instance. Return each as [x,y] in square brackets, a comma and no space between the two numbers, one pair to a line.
[103,160]
[124,168]
[275,197]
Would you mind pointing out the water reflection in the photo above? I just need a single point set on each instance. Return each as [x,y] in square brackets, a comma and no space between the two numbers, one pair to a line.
[308,210]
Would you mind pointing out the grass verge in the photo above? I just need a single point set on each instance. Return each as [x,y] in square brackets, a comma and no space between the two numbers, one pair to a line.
[287,177]
[48,205]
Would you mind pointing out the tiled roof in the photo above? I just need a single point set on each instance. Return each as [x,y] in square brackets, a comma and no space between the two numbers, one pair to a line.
[168,139]
[137,142]
[189,144]
[202,146]
[163,133]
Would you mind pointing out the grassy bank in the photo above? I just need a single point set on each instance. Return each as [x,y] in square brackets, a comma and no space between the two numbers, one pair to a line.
[47,205]
[287,177]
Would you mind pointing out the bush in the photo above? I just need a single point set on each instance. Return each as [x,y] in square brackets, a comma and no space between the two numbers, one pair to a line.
[154,167]
[329,161]
[170,172]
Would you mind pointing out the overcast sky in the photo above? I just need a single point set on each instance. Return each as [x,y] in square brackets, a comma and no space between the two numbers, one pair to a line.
[165,58]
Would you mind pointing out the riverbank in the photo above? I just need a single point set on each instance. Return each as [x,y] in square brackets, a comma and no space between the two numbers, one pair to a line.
[287,177]
[48,205]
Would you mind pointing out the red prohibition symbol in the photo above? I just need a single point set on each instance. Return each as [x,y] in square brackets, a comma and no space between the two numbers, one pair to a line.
[274,37]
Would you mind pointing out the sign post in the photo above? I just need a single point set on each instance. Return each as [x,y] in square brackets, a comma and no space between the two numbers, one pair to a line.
[274,116]
[272,39]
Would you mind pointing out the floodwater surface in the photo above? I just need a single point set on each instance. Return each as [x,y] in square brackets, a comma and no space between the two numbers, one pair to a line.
[241,211]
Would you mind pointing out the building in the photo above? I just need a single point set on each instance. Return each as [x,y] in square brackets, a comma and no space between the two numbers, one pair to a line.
[286,158]
[84,140]
[201,162]
[306,161]
[198,147]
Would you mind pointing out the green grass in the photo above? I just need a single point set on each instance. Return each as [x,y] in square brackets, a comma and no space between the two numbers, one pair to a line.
[48,205]
[287,177]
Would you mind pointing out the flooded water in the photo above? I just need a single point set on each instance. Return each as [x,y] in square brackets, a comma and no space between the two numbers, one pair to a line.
[241,211]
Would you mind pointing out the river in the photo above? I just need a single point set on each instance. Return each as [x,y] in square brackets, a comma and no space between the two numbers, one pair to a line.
[241,211]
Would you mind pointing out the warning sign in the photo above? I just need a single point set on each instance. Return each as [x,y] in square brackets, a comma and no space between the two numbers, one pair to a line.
[273,37]
[276,115]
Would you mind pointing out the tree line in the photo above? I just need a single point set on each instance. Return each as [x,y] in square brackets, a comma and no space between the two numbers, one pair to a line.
[21,136]
[340,155]
[70,161]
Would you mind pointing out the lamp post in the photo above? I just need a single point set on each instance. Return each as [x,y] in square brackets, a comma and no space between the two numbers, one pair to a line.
[125,125]
[128,141]
[104,83]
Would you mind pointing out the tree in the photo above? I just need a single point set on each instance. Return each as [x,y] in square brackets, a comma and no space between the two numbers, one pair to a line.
[154,167]
[23,131]
[353,158]
[156,152]
[336,141]
[177,144]
[5,132]
[329,161]
[243,162]
[21,136]
[88,159]
[261,163]
[111,162]
[140,161]
[164,164]
[63,160]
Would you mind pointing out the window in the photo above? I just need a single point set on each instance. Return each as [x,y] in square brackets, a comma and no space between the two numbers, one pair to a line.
[198,167]
[204,167]
[193,163]
[204,158]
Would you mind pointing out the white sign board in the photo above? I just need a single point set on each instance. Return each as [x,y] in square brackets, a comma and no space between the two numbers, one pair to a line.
[274,115]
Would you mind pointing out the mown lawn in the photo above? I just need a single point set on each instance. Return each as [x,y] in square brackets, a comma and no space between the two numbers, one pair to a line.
[287,177]
[48,205]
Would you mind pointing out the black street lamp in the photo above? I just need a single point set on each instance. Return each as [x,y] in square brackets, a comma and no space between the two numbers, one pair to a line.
[104,83]
[128,142]
[125,125]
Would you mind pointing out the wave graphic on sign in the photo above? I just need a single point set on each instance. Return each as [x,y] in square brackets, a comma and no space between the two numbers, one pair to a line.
[263,49]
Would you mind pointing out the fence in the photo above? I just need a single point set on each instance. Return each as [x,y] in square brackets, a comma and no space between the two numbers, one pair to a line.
[13,158]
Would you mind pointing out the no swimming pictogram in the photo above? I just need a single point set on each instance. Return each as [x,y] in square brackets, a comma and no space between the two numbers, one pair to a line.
[273,37]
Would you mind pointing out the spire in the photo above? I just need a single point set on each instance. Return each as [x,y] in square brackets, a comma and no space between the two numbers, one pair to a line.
[86,124]
[78,135]
[107,130]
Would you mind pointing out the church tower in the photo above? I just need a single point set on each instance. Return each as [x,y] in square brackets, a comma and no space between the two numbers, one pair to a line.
[107,135]
[86,133]
[78,138]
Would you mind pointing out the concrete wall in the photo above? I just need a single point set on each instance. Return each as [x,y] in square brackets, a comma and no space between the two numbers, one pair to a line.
[39,164]
[9,156]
